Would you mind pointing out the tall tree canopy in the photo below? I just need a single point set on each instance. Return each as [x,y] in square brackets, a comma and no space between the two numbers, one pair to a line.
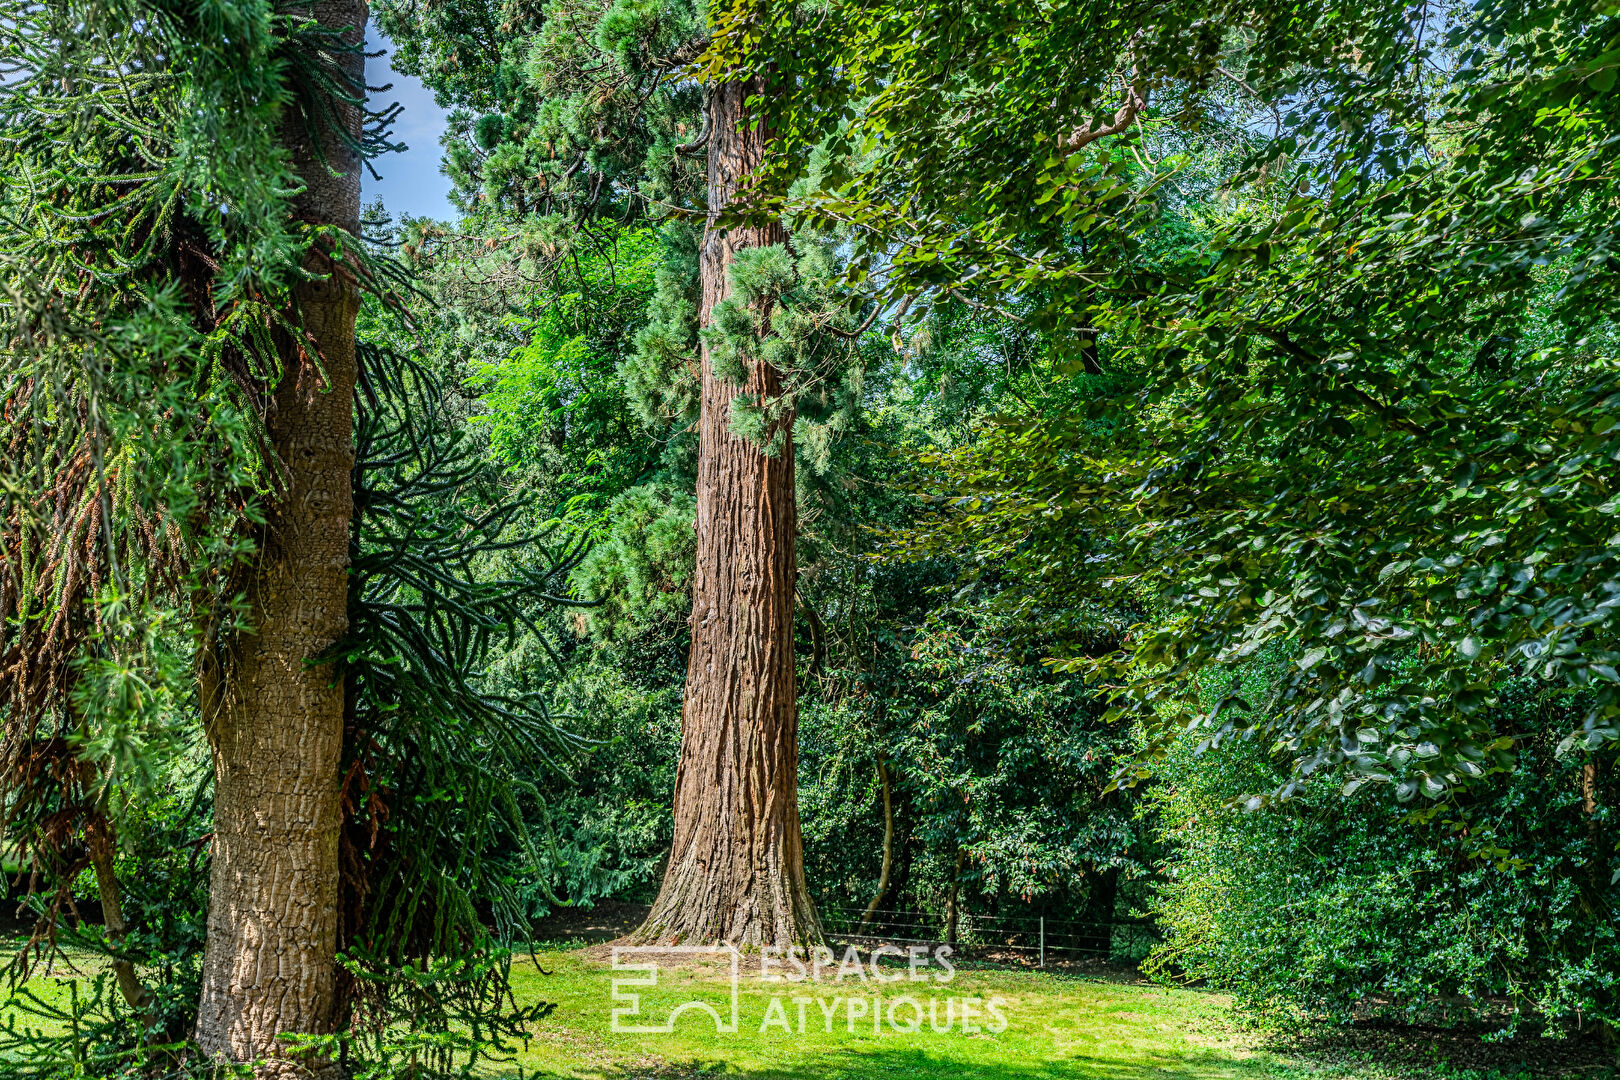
[203,555]
[1398,317]
[589,118]
[1075,424]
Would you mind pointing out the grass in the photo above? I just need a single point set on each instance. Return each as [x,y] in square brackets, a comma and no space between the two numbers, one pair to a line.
[1055,1026]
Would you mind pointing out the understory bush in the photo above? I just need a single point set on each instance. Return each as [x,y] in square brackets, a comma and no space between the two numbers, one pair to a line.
[1495,908]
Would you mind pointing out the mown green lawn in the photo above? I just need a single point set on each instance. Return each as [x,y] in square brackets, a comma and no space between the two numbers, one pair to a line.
[1055,1026]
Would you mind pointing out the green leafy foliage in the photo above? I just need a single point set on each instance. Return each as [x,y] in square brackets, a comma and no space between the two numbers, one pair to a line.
[613,819]
[438,758]
[149,250]
[991,758]
[1494,910]
[99,1036]
[1326,291]
[1322,437]
[1259,361]
[554,408]
[123,148]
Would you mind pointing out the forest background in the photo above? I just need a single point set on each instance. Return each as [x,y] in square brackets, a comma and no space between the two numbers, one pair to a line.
[1204,429]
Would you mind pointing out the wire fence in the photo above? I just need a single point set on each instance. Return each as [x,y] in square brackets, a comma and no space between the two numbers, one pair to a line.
[1031,937]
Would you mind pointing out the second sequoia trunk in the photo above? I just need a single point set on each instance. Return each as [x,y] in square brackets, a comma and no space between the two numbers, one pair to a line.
[736,869]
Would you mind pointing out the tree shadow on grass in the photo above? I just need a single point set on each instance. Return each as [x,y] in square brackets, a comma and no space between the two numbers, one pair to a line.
[1413,1053]
[859,1063]
[1405,1055]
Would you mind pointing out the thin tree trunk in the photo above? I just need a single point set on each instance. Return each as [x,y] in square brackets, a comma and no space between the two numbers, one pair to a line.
[953,913]
[818,634]
[736,868]
[1100,904]
[1591,782]
[268,968]
[1089,362]
[1597,859]
[102,841]
[888,842]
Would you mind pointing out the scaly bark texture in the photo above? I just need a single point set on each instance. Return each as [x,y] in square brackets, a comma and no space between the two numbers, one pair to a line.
[736,869]
[268,968]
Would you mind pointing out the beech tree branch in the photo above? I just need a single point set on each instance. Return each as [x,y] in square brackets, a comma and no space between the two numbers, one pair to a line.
[685,54]
[977,306]
[1136,99]
[905,305]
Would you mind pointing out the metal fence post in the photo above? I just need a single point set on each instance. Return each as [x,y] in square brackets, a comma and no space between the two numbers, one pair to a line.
[1043,941]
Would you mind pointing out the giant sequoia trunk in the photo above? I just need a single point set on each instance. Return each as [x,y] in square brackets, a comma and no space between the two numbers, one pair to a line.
[277,729]
[736,870]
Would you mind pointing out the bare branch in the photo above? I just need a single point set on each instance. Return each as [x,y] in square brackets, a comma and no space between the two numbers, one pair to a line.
[702,139]
[976,306]
[1136,99]
[900,312]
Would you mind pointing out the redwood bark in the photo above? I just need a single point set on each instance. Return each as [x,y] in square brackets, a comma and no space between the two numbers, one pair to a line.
[736,869]
[268,968]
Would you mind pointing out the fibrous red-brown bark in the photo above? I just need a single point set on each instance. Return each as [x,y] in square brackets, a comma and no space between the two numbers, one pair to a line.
[736,868]
[277,732]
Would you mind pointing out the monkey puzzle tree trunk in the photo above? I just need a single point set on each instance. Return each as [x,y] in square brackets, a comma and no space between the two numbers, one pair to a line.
[277,732]
[736,869]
